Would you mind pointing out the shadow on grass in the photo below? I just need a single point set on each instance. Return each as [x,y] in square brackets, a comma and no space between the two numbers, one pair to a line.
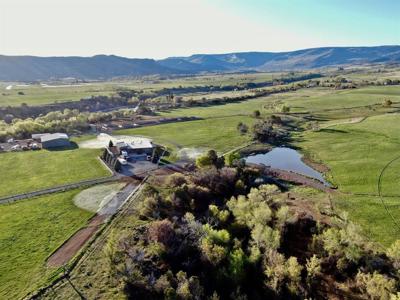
[72,146]
[330,130]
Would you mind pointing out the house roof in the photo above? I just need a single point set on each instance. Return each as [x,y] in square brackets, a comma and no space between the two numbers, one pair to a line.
[136,144]
[141,144]
[53,136]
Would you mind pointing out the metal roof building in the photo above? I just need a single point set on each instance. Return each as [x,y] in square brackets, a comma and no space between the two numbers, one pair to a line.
[55,140]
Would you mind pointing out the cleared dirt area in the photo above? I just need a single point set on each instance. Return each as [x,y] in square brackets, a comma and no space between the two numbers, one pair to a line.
[96,197]
[75,243]
[70,248]
[296,178]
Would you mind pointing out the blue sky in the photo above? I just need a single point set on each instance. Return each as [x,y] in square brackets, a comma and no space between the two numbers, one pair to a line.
[161,28]
[342,22]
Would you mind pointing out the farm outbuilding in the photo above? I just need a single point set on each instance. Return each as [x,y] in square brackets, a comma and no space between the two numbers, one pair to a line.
[136,146]
[55,140]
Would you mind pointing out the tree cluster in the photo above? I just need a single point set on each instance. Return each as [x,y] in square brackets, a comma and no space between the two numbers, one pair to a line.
[211,235]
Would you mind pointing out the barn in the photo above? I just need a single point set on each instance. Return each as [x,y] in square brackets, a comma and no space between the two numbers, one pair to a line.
[55,140]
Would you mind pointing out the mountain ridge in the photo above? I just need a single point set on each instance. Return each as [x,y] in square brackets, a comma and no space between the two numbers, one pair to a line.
[35,68]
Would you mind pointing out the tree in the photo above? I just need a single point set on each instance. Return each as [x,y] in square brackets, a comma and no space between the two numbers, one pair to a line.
[285,109]
[231,158]
[8,118]
[256,114]
[387,103]
[376,286]
[393,252]
[110,144]
[243,128]
[214,244]
[293,269]
[162,232]
[313,267]
[264,131]
[237,261]
[210,159]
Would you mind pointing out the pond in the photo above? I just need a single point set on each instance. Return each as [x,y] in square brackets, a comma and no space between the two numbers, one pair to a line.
[286,159]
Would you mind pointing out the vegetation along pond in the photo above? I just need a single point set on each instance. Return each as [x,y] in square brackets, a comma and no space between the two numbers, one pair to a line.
[286,159]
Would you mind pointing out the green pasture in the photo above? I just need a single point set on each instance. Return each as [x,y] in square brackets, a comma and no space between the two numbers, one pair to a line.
[220,134]
[30,231]
[328,99]
[356,155]
[22,172]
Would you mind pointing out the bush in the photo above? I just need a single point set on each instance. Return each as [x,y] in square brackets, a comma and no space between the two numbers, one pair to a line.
[313,267]
[243,128]
[176,179]
[162,232]
[393,252]
[210,159]
[214,244]
[256,114]
[376,286]
[237,261]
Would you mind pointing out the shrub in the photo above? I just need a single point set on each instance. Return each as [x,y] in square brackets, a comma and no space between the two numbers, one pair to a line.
[345,243]
[293,269]
[210,159]
[264,236]
[253,209]
[256,114]
[387,103]
[313,267]
[161,232]
[376,286]
[243,128]
[282,272]
[393,252]
[237,261]
[213,245]
[231,158]
[176,179]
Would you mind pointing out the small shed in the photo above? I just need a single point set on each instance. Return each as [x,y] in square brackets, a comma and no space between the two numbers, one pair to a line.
[55,140]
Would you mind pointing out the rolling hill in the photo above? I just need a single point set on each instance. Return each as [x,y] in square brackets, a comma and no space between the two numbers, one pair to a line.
[31,68]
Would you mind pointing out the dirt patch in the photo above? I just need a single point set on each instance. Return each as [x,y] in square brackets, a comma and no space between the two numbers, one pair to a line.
[294,178]
[94,198]
[69,249]
[316,166]
[190,153]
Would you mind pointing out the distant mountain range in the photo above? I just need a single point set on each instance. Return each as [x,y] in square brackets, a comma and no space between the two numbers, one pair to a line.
[32,68]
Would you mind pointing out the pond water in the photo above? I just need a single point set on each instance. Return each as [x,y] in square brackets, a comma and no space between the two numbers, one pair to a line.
[286,159]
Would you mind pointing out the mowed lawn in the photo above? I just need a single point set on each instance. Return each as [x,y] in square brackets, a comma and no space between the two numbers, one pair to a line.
[356,155]
[30,231]
[220,134]
[22,172]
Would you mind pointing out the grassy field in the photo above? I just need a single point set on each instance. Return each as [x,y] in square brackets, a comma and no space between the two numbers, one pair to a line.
[324,100]
[356,155]
[220,134]
[223,110]
[38,95]
[43,94]
[29,231]
[22,172]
